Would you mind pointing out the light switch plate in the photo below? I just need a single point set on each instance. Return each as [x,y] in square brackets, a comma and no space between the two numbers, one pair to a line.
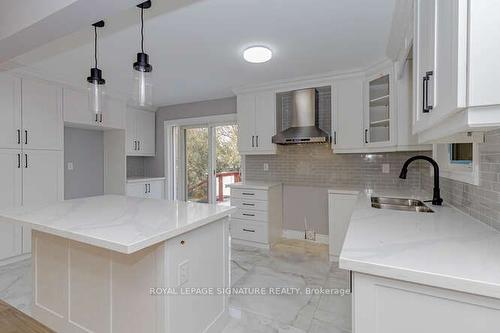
[70,165]
[183,273]
[386,168]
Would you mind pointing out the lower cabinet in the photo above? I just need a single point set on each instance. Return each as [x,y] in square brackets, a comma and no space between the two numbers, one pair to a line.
[258,220]
[146,188]
[340,207]
[382,305]
[28,177]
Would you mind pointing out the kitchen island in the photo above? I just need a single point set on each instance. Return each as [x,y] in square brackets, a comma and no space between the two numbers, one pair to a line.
[120,264]
[421,272]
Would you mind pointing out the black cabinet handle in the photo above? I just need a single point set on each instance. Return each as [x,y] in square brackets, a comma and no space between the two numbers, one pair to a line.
[26,161]
[138,145]
[257,140]
[100,117]
[350,282]
[253,144]
[247,193]
[366,135]
[25,137]
[247,214]
[19,161]
[247,204]
[96,117]
[18,136]
[334,137]
[426,108]
[249,230]
[145,188]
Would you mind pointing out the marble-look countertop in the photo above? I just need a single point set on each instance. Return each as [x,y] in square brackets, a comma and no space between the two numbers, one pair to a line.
[255,185]
[115,222]
[446,249]
[143,179]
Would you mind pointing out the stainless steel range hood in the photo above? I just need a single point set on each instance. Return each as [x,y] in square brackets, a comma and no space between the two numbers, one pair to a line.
[302,116]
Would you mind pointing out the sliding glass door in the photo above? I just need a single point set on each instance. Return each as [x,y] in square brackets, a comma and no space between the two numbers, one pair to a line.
[208,162]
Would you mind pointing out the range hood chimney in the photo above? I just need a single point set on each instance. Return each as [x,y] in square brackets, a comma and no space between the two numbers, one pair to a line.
[302,118]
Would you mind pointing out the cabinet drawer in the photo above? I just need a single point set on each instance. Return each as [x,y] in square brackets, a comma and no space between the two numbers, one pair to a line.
[247,214]
[249,204]
[249,231]
[249,194]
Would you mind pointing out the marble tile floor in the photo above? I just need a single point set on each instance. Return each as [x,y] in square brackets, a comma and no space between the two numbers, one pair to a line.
[290,264]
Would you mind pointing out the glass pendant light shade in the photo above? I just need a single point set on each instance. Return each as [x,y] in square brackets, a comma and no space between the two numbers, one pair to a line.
[96,90]
[143,85]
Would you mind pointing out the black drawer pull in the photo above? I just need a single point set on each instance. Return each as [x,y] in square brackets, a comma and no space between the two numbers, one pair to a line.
[247,214]
[247,193]
[248,230]
[247,204]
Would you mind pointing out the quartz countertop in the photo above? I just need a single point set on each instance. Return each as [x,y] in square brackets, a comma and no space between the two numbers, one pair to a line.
[143,179]
[255,185]
[446,249]
[115,222]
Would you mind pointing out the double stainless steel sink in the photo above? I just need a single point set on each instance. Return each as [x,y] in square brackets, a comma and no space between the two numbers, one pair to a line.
[409,205]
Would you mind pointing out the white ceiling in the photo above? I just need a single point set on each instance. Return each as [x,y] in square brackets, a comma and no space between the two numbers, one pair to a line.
[196,50]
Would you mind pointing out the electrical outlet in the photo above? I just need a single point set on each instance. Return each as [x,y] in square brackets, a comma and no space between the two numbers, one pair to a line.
[183,273]
[70,165]
[386,168]
[266,166]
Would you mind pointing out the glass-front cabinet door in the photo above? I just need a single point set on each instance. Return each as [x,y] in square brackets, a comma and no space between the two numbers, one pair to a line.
[378,111]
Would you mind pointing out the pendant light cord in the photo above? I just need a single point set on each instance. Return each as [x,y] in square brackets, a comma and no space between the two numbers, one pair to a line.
[95,46]
[142,30]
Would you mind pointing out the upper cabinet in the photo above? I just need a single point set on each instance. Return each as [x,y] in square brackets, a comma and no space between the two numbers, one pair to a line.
[373,112]
[256,122]
[41,115]
[77,112]
[379,118]
[10,104]
[140,132]
[456,72]
[31,116]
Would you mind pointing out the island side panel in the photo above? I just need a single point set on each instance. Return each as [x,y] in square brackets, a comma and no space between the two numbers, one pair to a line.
[83,288]
[205,251]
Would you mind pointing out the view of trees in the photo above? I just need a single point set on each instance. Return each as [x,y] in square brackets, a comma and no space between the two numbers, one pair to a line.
[197,147]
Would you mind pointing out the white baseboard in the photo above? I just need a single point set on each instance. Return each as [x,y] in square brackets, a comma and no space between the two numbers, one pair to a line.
[297,234]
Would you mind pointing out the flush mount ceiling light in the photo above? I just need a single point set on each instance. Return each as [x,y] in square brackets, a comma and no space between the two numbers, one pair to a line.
[257,54]
[143,87]
[95,81]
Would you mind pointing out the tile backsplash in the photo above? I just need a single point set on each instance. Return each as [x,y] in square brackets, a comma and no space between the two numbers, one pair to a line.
[316,165]
[135,166]
[483,201]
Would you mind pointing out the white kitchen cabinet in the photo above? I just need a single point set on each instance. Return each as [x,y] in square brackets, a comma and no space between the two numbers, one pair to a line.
[43,180]
[348,131]
[259,218]
[256,122]
[10,196]
[382,305]
[148,188]
[77,112]
[456,71]
[10,106]
[28,177]
[140,132]
[379,113]
[42,118]
[340,208]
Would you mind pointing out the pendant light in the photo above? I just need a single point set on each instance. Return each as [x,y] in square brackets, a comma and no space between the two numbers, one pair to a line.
[95,81]
[143,88]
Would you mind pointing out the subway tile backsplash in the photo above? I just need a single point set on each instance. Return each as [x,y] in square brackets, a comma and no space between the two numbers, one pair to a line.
[481,202]
[316,165]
